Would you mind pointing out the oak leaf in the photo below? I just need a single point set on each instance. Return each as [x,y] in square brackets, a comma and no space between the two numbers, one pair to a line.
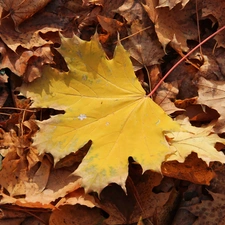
[103,101]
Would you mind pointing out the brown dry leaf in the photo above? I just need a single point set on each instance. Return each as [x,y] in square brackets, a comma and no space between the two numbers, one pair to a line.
[7,141]
[75,215]
[171,3]
[109,25]
[165,94]
[175,25]
[193,169]
[16,63]
[211,93]
[140,201]
[11,215]
[200,113]
[41,56]
[28,39]
[13,174]
[209,212]
[148,204]
[209,68]
[142,42]
[143,45]
[26,63]
[131,10]
[217,183]
[21,10]
[56,185]
[183,77]
[212,10]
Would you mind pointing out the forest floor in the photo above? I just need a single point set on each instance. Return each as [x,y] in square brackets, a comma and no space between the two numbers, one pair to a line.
[36,187]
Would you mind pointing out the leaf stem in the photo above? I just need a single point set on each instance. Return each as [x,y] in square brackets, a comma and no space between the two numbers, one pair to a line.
[182,59]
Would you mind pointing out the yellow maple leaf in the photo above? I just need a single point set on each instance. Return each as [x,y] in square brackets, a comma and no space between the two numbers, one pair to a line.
[105,103]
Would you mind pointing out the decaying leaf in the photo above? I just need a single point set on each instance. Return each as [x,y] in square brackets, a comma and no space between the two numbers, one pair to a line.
[214,11]
[104,102]
[21,10]
[75,214]
[173,25]
[209,211]
[171,3]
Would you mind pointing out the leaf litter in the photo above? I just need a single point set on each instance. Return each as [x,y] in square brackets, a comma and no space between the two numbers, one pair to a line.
[32,191]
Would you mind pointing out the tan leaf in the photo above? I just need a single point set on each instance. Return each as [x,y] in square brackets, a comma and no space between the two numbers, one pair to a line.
[171,3]
[201,140]
[211,93]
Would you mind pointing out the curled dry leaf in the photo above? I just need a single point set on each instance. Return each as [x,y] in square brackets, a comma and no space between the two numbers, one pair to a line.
[142,42]
[175,25]
[21,10]
[201,140]
[171,3]
[211,93]
[27,39]
[138,201]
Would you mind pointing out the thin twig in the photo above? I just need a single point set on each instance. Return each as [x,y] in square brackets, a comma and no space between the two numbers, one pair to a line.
[181,60]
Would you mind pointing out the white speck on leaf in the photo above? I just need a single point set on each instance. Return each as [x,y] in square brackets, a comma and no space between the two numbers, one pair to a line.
[82,117]
[107,123]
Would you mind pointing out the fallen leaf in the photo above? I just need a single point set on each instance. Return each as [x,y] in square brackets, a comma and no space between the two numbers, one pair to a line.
[28,39]
[201,140]
[211,93]
[209,211]
[121,104]
[21,10]
[164,96]
[143,45]
[75,215]
[173,25]
[105,101]
[214,10]
[138,201]
[192,169]
[142,42]
[171,3]
[110,25]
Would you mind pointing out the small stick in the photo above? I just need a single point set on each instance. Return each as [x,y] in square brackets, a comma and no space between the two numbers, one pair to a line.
[182,59]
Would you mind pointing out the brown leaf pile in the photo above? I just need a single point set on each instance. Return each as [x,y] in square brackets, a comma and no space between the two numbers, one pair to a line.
[157,34]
